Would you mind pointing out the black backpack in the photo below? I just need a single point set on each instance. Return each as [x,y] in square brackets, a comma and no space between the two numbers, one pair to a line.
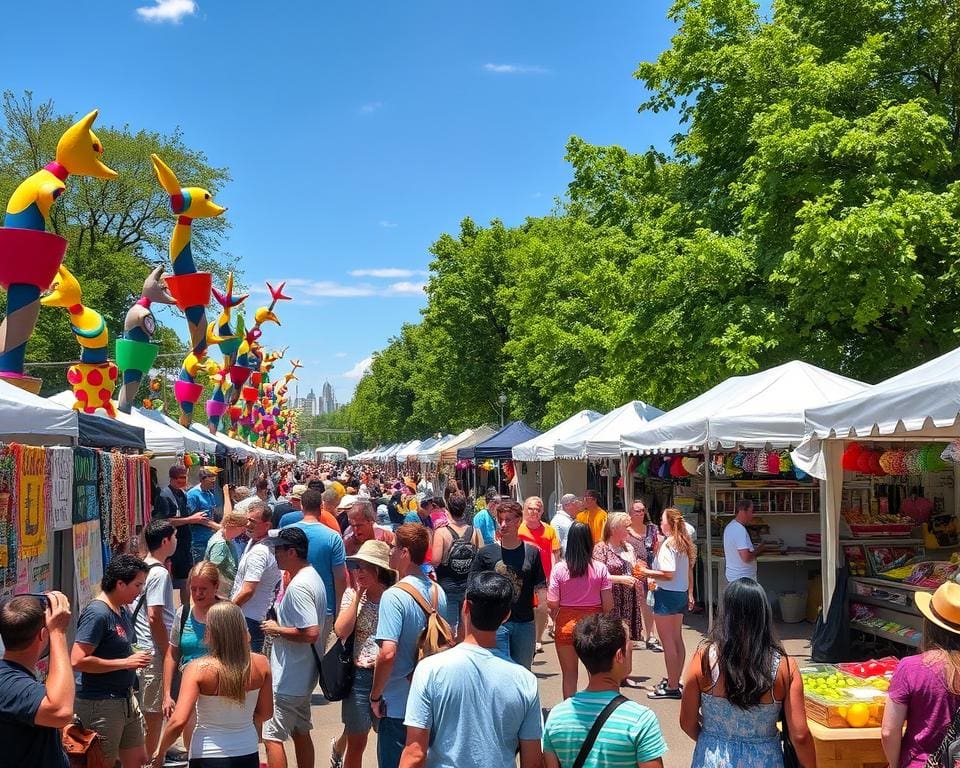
[462,552]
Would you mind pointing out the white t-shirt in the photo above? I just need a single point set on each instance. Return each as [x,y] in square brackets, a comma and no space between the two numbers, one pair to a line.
[157,590]
[735,538]
[257,564]
[292,664]
[678,562]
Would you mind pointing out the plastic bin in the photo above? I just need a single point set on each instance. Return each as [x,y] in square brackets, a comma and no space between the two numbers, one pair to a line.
[793,607]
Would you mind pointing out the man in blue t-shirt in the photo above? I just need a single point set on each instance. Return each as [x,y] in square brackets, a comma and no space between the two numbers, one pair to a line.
[399,623]
[202,500]
[464,684]
[31,713]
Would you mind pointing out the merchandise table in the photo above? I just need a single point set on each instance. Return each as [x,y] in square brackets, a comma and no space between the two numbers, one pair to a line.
[847,747]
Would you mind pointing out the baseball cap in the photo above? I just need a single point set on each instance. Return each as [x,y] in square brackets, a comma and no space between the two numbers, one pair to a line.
[209,472]
[298,491]
[347,501]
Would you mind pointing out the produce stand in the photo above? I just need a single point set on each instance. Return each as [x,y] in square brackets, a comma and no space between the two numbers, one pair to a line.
[847,747]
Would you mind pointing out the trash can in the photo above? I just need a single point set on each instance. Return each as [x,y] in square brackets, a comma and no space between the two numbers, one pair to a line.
[793,607]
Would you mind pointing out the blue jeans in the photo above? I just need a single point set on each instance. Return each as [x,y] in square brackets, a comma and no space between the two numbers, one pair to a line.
[518,640]
[256,635]
[452,613]
[391,739]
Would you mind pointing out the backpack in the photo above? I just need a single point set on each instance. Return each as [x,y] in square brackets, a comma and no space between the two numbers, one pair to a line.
[462,552]
[436,634]
[143,597]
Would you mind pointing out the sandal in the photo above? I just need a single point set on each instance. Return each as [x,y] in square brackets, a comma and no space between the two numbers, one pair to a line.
[665,693]
[654,645]
[336,758]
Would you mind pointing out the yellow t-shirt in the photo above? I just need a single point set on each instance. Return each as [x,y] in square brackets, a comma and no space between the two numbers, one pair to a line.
[596,520]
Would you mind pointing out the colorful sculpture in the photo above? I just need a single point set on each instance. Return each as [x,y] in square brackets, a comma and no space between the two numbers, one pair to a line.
[29,255]
[135,352]
[249,355]
[94,378]
[217,404]
[190,288]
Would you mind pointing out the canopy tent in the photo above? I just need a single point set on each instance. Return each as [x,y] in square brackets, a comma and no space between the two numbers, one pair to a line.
[203,441]
[104,432]
[433,454]
[409,450]
[449,454]
[600,439]
[28,418]
[500,444]
[334,450]
[425,446]
[921,403]
[235,446]
[764,408]
[542,447]
[157,437]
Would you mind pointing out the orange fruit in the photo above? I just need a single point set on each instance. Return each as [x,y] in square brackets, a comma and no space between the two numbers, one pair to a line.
[858,715]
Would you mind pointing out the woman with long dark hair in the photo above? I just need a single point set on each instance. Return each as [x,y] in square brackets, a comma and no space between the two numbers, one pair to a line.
[925,690]
[737,683]
[579,586]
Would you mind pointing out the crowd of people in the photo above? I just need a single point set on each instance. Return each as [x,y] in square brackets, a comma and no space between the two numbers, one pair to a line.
[434,606]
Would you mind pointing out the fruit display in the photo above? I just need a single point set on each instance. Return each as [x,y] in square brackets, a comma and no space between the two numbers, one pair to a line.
[865,617]
[856,559]
[838,700]
[884,667]
[866,524]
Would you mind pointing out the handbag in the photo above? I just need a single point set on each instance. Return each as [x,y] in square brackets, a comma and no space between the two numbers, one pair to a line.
[790,759]
[336,669]
[83,747]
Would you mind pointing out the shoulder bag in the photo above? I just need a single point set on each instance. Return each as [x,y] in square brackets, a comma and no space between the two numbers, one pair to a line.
[790,759]
[82,746]
[594,731]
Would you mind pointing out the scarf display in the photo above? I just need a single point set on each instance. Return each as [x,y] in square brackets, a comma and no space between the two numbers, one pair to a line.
[30,477]
[86,507]
[60,486]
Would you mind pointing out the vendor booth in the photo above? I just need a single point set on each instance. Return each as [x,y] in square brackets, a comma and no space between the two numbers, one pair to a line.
[540,454]
[742,430]
[493,454]
[590,457]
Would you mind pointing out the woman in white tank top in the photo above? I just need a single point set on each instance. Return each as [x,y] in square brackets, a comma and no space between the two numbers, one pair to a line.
[231,692]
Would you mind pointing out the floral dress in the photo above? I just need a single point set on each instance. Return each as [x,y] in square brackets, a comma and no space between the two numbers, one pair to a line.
[738,738]
[626,605]
[365,648]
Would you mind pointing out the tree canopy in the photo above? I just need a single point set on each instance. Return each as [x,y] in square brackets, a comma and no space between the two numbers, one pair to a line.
[808,208]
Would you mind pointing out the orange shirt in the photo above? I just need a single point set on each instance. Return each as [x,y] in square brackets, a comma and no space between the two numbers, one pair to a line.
[330,521]
[595,520]
[546,540]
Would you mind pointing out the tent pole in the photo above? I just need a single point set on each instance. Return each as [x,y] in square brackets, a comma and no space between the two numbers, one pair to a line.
[708,508]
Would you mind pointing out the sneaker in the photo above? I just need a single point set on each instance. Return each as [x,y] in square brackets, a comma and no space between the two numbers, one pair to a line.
[654,645]
[539,648]
[336,758]
[665,693]
[661,685]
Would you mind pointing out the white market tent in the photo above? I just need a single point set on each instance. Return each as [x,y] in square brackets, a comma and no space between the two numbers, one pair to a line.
[543,447]
[158,437]
[762,409]
[433,453]
[916,405]
[449,453]
[242,449]
[203,442]
[409,450]
[29,418]
[600,439]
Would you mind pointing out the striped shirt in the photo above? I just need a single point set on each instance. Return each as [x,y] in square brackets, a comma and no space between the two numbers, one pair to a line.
[630,736]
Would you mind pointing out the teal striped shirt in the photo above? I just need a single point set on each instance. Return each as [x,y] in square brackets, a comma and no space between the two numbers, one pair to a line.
[631,734]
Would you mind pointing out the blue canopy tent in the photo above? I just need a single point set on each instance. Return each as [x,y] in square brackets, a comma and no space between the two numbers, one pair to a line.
[499,446]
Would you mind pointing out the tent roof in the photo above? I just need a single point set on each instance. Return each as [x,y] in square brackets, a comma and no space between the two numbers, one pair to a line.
[452,451]
[500,444]
[104,432]
[410,449]
[542,447]
[601,438]
[432,454]
[765,407]
[331,449]
[227,442]
[23,414]
[203,442]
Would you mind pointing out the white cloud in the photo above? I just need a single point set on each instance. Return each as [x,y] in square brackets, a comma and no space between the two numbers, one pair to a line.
[331,289]
[167,10]
[387,272]
[406,288]
[359,370]
[340,354]
[370,107]
[515,69]
[387,224]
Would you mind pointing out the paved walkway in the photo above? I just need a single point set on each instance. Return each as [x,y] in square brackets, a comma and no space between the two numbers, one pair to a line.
[648,669]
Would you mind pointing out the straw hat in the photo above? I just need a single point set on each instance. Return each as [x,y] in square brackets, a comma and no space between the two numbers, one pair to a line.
[373,552]
[942,607]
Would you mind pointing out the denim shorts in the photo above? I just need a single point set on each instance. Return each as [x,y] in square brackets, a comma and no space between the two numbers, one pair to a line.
[355,711]
[668,602]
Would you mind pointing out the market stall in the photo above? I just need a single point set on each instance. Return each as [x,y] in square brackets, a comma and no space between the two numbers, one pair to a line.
[494,455]
[742,430]
[596,447]
[540,451]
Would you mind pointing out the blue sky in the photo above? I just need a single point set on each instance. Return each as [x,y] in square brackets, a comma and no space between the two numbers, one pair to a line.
[356,132]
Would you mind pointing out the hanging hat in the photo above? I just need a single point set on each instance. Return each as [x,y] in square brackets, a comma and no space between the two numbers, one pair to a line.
[850,456]
[690,464]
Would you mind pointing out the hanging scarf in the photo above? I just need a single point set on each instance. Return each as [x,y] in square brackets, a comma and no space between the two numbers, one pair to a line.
[105,500]
[86,507]
[119,501]
[60,486]
[31,511]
